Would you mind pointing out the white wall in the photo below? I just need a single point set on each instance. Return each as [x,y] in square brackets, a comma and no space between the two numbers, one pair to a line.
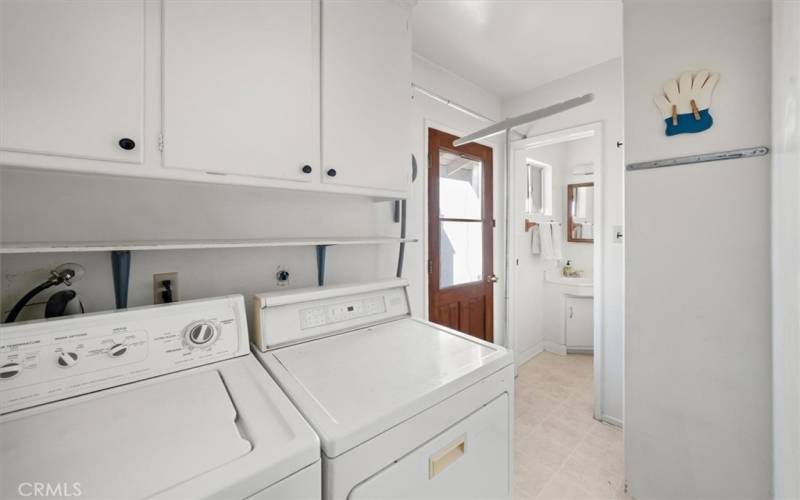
[431,113]
[48,206]
[786,245]
[605,81]
[698,405]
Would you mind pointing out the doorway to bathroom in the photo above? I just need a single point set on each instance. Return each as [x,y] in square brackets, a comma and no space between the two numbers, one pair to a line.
[554,240]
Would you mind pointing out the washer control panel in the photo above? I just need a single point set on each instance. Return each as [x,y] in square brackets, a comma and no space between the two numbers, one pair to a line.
[288,317]
[43,361]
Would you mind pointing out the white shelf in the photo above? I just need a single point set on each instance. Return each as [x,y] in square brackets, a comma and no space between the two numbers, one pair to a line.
[108,246]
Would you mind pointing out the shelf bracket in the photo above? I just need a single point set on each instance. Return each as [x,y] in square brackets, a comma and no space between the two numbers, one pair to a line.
[322,253]
[121,269]
[402,253]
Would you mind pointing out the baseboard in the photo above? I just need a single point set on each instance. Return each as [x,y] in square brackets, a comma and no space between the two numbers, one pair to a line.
[580,350]
[529,354]
[555,348]
[612,421]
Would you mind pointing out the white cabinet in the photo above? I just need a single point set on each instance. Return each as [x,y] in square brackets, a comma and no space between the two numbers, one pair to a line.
[366,94]
[274,93]
[72,78]
[579,323]
[241,87]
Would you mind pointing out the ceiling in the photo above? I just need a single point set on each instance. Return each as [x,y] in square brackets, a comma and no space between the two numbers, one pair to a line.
[509,47]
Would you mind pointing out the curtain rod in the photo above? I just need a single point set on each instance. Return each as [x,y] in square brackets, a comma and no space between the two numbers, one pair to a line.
[448,102]
[458,107]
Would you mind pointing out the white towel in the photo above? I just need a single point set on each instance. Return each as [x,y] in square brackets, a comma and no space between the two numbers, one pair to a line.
[536,242]
[546,238]
[557,236]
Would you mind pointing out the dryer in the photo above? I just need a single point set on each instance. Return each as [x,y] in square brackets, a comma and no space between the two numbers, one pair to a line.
[152,402]
[404,408]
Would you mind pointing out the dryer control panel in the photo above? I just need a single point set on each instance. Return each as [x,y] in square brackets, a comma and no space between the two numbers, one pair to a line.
[288,317]
[44,361]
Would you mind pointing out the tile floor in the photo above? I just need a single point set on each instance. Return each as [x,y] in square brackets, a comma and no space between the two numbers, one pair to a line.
[560,451]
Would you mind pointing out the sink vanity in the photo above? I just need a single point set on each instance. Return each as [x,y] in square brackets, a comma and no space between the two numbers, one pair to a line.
[568,312]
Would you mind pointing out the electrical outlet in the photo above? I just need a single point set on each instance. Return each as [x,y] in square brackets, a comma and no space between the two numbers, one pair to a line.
[159,289]
[282,275]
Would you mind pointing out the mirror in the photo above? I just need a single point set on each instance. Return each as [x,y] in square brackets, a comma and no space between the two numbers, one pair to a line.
[580,212]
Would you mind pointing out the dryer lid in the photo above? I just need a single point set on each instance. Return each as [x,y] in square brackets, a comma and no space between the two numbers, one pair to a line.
[355,385]
[133,442]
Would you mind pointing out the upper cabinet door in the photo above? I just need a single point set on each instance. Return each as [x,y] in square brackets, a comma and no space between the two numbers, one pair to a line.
[366,94]
[241,87]
[72,78]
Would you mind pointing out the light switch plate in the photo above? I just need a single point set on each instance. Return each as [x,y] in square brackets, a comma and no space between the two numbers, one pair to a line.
[617,234]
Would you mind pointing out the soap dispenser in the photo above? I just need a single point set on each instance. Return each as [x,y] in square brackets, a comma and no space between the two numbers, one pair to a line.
[567,270]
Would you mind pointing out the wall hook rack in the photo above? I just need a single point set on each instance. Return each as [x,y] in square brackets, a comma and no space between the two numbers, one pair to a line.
[733,154]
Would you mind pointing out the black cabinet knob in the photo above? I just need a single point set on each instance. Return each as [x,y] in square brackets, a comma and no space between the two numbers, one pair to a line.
[331,172]
[307,169]
[127,144]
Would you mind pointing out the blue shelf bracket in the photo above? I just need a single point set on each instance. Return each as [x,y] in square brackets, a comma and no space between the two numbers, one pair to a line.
[401,212]
[121,269]
[322,253]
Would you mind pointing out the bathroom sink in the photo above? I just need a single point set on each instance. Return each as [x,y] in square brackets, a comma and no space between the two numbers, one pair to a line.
[555,276]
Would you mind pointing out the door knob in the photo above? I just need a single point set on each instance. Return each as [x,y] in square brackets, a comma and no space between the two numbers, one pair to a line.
[492,278]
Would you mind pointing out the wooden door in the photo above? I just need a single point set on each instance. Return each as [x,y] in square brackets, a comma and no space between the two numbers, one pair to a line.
[460,227]
[72,78]
[241,87]
[366,94]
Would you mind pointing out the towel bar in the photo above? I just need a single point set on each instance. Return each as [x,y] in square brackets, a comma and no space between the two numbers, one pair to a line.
[529,223]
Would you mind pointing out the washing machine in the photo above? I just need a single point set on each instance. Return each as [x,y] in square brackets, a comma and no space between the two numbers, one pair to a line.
[153,402]
[404,408]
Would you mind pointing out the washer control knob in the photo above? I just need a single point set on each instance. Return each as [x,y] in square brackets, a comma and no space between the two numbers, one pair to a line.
[67,359]
[117,350]
[201,334]
[10,370]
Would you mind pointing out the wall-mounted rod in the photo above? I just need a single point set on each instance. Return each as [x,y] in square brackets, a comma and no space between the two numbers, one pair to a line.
[733,154]
[448,102]
[458,107]
[510,123]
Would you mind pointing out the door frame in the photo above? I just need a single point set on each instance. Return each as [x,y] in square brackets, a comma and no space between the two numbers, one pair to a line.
[785,244]
[487,204]
[514,147]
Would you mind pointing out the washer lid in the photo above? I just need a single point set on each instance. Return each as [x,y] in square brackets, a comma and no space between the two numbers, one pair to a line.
[353,386]
[133,443]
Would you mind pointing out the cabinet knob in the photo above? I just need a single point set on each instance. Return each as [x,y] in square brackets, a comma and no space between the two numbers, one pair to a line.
[307,169]
[331,172]
[127,144]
